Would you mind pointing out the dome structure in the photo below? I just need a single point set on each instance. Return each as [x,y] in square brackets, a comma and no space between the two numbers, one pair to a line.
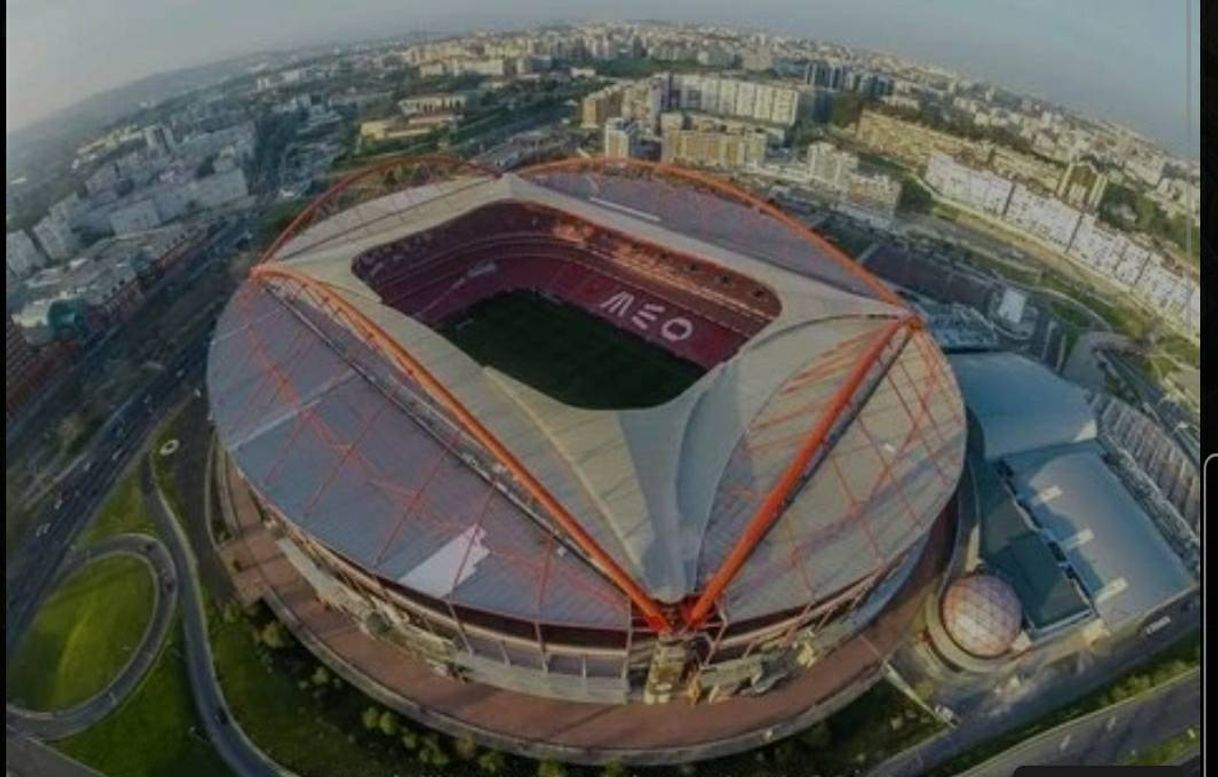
[982,614]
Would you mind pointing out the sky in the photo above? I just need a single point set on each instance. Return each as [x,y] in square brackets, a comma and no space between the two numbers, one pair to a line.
[1124,60]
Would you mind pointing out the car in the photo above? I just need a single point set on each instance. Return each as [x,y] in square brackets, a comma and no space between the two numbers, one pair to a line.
[42,529]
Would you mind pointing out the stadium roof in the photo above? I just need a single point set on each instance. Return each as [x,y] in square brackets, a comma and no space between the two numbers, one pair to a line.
[665,492]
[1020,404]
[1117,553]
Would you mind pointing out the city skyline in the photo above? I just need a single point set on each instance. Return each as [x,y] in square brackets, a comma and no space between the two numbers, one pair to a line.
[1081,59]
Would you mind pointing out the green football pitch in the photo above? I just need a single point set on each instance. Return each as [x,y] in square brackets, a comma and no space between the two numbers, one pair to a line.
[567,353]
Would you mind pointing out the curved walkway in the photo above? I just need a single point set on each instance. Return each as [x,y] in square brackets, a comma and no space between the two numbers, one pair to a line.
[56,724]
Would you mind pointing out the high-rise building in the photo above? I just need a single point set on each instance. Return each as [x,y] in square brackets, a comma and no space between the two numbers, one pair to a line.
[26,369]
[913,143]
[771,103]
[973,188]
[830,167]
[159,139]
[1048,218]
[1082,186]
[725,150]
[21,256]
[872,197]
[56,238]
[601,105]
[621,138]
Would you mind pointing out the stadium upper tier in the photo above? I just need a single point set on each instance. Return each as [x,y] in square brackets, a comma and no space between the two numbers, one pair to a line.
[823,440]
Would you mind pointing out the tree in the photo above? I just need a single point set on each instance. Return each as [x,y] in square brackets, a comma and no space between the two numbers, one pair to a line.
[465,748]
[614,769]
[320,676]
[914,198]
[388,723]
[410,739]
[371,718]
[550,768]
[847,107]
[273,635]
[492,762]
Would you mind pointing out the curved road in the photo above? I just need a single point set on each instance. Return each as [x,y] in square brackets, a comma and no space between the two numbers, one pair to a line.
[61,723]
[241,755]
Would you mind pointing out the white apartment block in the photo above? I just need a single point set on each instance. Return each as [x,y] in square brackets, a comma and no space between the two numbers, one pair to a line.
[621,138]
[21,256]
[1047,218]
[1163,290]
[136,217]
[433,103]
[771,103]
[978,189]
[829,167]
[56,238]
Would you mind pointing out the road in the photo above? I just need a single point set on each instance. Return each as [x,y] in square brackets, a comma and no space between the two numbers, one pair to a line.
[104,459]
[61,723]
[241,755]
[35,567]
[1108,736]
[990,718]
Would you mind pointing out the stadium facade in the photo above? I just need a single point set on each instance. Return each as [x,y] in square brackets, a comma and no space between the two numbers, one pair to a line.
[710,545]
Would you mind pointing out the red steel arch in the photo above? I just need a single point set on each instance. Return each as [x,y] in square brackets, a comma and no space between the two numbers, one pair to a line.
[733,191]
[412,367]
[308,216]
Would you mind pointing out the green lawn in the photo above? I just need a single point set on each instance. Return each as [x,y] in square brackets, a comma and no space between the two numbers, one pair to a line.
[82,635]
[123,512]
[162,466]
[308,722]
[569,354]
[1168,752]
[156,731]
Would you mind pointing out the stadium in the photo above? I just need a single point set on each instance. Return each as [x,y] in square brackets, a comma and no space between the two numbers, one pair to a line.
[600,432]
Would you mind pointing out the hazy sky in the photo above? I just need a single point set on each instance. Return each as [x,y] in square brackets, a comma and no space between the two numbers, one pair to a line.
[1118,59]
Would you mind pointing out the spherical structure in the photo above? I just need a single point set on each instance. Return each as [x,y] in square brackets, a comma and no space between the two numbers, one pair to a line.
[607,432]
[982,614]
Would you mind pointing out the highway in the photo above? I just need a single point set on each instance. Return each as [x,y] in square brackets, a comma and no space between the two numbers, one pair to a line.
[36,566]
[1108,736]
[104,459]
[993,718]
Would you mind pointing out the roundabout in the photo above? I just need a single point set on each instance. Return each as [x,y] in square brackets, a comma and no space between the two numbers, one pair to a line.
[59,723]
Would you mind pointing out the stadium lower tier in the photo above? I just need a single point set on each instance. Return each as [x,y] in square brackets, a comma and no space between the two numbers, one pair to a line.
[690,308]
[628,665]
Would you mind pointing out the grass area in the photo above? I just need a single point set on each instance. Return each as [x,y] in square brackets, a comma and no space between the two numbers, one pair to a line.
[156,731]
[1168,752]
[569,354]
[1174,660]
[162,466]
[123,512]
[82,635]
[312,722]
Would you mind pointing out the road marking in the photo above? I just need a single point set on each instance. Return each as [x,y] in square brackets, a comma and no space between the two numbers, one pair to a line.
[1111,722]
[1065,742]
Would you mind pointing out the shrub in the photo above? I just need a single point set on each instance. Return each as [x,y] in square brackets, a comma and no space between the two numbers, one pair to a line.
[492,762]
[465,748]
